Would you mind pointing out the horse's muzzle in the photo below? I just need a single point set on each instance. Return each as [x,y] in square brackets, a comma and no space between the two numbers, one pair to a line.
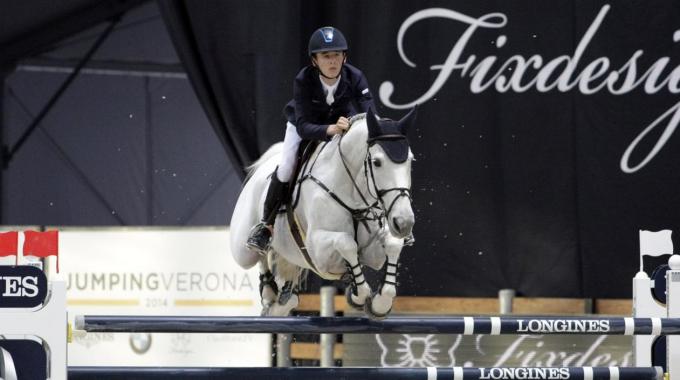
[402,226]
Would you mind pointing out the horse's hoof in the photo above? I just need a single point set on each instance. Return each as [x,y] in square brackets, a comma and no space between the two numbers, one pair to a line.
[282,310]
[286,292]
[350,302]
[268,296]
[371,312]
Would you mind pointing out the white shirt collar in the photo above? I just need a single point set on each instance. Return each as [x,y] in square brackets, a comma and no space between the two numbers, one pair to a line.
[329,89]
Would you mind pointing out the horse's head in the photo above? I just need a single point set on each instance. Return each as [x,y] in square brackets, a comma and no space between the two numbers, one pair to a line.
[389,163]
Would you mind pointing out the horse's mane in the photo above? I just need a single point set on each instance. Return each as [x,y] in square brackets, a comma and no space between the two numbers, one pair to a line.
[356,118]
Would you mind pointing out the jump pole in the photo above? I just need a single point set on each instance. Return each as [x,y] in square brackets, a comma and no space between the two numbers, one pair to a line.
[368,373]
[391,325]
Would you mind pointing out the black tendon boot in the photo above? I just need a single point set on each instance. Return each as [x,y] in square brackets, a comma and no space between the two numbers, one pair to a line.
[260,236]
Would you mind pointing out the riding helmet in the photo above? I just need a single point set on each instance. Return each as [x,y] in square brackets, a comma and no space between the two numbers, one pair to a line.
[327,38]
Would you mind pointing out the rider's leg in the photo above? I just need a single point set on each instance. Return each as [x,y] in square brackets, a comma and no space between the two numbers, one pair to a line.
[260,236]
[291,142]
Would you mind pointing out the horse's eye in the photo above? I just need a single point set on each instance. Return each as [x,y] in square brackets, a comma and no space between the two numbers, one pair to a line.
[377,162]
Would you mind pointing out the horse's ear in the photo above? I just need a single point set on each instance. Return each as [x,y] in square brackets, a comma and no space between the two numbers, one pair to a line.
[372,123]
[408,120]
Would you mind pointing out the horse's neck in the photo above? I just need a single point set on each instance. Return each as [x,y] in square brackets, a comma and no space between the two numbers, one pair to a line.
[332,171]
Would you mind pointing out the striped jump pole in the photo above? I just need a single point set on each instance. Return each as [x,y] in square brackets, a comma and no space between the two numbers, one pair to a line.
[391,325]
[344,373]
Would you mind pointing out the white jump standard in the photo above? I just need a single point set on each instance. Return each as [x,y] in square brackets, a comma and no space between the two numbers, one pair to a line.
[47,322]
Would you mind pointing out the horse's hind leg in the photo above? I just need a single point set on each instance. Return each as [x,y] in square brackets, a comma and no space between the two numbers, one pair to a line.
[380,303]
[287,298]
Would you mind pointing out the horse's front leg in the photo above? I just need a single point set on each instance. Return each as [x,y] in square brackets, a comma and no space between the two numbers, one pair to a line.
[322,242]
[269,290]
[380,303]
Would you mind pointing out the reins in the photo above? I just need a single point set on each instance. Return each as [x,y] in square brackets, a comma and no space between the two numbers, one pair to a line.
[372,211]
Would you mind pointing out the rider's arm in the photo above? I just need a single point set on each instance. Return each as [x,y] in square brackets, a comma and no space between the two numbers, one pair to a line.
[363,96]
[303,113]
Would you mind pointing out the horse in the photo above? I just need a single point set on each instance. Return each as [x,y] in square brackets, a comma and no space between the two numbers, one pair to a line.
[353,208]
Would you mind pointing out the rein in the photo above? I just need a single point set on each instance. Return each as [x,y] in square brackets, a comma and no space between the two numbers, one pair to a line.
[372,211]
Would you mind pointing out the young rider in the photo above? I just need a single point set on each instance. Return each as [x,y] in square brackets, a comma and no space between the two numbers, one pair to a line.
[325,94]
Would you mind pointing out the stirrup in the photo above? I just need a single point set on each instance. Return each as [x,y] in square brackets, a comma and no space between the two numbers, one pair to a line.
[259,239]
[287,292]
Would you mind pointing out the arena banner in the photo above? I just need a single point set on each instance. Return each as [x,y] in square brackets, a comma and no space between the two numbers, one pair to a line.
[137,271]
[421,350]
[545,136]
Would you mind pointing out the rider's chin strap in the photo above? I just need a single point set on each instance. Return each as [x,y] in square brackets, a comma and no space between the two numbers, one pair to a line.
[326,76]
[339,71]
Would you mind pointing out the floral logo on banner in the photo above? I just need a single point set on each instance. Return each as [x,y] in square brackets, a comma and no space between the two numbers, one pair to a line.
[418,351]
[36,244]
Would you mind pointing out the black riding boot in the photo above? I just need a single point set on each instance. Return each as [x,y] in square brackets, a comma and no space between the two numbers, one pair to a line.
[260,235]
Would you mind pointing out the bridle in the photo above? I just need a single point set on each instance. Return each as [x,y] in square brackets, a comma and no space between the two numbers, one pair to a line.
[372,211]
[368,162]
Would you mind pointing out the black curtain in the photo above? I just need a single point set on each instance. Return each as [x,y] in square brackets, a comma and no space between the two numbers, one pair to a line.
[34,37]
[224,48]
[521,186]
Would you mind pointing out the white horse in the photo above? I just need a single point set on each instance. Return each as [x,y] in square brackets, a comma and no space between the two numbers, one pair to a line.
[354,209]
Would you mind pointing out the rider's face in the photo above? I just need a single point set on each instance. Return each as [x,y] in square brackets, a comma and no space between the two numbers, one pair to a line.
[329,62]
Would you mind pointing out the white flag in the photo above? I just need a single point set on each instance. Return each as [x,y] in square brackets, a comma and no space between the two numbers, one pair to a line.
[656,243]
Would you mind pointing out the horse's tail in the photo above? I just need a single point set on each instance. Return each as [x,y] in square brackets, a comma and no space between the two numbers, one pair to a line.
[272,151]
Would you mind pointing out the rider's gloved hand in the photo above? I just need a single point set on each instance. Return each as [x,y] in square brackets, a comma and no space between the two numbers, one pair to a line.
[339,127]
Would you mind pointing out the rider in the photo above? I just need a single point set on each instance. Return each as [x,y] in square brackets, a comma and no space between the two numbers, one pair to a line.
[325,93]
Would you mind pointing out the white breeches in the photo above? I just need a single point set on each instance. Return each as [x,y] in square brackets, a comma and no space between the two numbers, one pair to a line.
[291,142]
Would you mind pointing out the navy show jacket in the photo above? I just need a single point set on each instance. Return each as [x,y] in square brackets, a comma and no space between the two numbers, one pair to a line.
[308,110]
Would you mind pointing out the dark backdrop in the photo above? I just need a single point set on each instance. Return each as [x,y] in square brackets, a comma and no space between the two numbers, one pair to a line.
[519,188]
